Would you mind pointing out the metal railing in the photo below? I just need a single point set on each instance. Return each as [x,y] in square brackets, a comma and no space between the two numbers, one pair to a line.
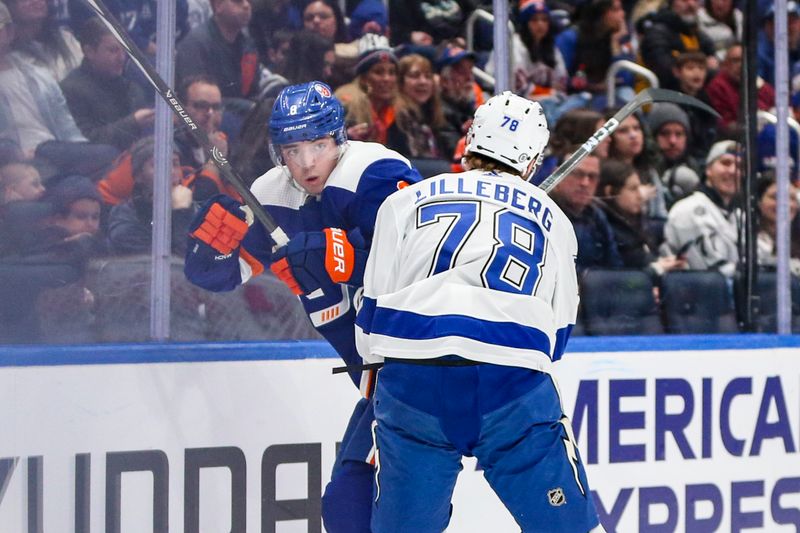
[475,16]
[624,64]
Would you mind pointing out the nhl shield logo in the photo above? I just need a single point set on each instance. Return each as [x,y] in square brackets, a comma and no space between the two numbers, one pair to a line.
[556,497]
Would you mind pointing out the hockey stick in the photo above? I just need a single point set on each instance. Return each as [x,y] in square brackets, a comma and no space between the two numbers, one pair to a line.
[200,137]
[646,96]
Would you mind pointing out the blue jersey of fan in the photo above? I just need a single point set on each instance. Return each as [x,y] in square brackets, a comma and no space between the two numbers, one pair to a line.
[478,265]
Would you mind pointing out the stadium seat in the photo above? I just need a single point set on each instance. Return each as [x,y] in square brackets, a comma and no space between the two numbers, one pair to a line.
[766,319]
[618,302]
[697,301]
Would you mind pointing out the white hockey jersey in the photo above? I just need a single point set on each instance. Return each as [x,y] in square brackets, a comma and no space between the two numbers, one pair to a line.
[479,265]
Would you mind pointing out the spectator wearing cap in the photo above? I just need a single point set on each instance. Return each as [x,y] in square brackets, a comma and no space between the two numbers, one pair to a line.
[271,25]
[704,227]
[766,41]
[724,91]
[679,172]
[130,227]
[428,23]
[418,115]
[370,98]
[669,32]
[461,95]
[369,16]
[767,156]
[107,106]
[722,22]
[538,70]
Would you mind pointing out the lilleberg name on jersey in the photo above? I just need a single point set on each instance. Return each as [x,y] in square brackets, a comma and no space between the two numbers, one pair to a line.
[497,192]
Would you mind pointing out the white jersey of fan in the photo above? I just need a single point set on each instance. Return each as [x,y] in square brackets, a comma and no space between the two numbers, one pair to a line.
[439,246]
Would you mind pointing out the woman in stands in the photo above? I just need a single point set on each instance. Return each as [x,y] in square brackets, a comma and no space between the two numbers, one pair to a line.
[39,39]
[538,70]
[325,18]
[631,144]
[599,38]
[767,194]
[370,98]
[418,112]
[619,193]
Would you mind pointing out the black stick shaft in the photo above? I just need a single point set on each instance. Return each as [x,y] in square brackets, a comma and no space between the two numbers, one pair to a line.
[200,137]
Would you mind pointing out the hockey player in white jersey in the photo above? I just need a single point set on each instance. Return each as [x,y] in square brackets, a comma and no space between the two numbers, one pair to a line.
[470,293]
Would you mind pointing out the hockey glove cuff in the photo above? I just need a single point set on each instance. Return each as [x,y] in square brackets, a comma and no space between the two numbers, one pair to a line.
[320,259]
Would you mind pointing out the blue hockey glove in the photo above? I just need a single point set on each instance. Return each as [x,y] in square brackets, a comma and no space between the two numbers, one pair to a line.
[317,259]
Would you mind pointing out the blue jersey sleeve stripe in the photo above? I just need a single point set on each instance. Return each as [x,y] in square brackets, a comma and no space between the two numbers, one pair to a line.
[414,326]
[366,314]
[562,336]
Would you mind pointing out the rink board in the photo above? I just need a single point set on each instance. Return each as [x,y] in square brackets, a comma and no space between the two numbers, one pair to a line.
[678,434]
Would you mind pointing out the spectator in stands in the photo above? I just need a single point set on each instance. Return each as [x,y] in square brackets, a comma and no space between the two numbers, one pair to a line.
[623,204]
[199,12]
[325,18]
[276,50]
[599,38]
[460,94]
[724,91]
[630,144]
[573,128]
[370,98]
[20,181]
[678,170]
[722,22]
[669,32]
[369,16]
[40,40]
[690,71]
[767,160]
[428,23]
[138,17]
[704,227]
[130,223]
[203,100]
[220,49]
[418,114]
[271,26]
[538,70]
[767,195]
[575,194]
[313,58]
[107,106]
[76,212]
[34,114]
[766,41]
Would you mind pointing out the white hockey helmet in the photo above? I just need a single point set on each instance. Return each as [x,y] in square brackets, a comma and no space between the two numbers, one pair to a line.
[511,130]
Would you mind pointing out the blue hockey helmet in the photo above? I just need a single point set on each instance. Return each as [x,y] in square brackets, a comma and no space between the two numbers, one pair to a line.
[306,112]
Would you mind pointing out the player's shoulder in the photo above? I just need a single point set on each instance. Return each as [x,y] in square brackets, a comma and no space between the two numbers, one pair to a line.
[360,161]
[275,187]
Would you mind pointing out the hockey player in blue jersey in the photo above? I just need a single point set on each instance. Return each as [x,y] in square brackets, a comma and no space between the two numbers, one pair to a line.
[324,193]
[470,293]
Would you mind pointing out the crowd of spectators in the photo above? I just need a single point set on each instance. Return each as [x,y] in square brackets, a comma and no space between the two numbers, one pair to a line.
[662,194]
